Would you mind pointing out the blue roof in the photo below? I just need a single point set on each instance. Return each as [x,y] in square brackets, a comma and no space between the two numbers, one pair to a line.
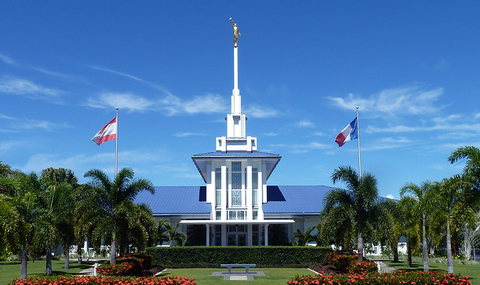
[236,154]
[295,199]
[192,199]
[176,200]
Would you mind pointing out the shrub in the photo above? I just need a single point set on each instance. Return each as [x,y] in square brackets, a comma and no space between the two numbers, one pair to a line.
[167,280]
[263,256]
[399,277]
[121,269]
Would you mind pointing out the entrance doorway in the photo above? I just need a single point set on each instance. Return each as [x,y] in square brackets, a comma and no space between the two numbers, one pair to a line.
[237,235]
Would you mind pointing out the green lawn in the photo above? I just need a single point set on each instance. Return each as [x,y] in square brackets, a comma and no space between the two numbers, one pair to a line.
[203,276]
[11,270]
[471,270]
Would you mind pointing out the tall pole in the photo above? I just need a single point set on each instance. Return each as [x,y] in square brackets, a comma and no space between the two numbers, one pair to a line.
[116,147]
[358,138]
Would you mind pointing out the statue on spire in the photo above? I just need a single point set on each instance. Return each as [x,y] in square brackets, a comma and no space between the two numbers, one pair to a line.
[236,33]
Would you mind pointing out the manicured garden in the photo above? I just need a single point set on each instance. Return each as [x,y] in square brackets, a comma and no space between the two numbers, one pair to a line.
[347,268]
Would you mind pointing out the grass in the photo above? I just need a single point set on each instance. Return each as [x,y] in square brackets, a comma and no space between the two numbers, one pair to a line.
[203,276]
[465,270]
[11,270]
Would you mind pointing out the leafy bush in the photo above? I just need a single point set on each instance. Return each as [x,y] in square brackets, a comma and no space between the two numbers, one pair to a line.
[399,277]
[90,280]
[129,265]
[263,256]
[121,269]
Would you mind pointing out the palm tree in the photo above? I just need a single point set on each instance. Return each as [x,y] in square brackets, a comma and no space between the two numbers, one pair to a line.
[139,224]
[423,194]
[472,154]
[409,224]
[359,199]
[302,239]
[457,199]
[101,216]
[59,187]
[168,233]
[387,224]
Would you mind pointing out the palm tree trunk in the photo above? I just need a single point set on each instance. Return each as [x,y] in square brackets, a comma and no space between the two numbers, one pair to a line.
[395,254]
[409,253]
[67,259]
[360,248]
[426,267]
[79,254]
[449,249]
[113,252]
[23,270]
[48,261]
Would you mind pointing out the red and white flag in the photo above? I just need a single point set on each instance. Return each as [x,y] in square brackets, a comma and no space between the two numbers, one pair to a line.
[107,133]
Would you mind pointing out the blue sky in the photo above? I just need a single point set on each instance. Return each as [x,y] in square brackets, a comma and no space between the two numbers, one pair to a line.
[411,66]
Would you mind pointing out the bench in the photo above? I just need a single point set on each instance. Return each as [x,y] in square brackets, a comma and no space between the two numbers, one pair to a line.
[230,266]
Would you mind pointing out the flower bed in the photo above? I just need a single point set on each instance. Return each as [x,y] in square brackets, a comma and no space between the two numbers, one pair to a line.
[89,280]
[399,277]
[349,263]
[129,265]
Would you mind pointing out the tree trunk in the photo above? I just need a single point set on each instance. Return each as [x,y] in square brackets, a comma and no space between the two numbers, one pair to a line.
[113,253]
[360,248]
[79,254]
[449,249]
[409,253]
[426,267]
[23,270]
[67,259]
[48,261]
[395,254]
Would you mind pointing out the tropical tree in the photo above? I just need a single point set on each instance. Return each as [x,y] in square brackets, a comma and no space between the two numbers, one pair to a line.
[458,200]
[409,224]
[359,199]
[59,186]
[472,167]
[9,217]
[140,227]
[102,207]
[387,224]
[168,233]
[35,229]
[424,195]
[302,239]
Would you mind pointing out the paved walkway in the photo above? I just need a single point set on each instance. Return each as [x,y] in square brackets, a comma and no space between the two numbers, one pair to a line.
[90,271]
[382,267]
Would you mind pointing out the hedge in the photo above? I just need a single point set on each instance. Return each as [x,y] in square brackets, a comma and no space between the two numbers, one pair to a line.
[263,256]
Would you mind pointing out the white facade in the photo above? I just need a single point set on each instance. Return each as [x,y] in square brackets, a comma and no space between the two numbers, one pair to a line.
[236,180]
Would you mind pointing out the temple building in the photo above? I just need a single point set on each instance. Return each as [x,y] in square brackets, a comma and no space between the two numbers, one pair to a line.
[236,206]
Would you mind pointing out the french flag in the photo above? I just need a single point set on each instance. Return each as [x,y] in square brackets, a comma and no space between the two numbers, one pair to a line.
[349,133]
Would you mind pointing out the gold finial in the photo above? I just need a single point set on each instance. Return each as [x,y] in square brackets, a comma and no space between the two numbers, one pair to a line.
[236,33]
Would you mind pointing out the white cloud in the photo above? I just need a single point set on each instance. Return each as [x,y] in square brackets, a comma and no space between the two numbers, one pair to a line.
[387,143]
[182,135]
[29,89]
[127,101]
[304,124]
[412,100]
[7,60]
[303,148]
[16,124]
[270,134]
[438,127]
[476,116]
[260,112]
[209,103]
[390,196]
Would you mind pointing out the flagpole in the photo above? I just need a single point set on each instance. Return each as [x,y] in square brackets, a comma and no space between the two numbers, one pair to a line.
[116,147]
[358,138]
